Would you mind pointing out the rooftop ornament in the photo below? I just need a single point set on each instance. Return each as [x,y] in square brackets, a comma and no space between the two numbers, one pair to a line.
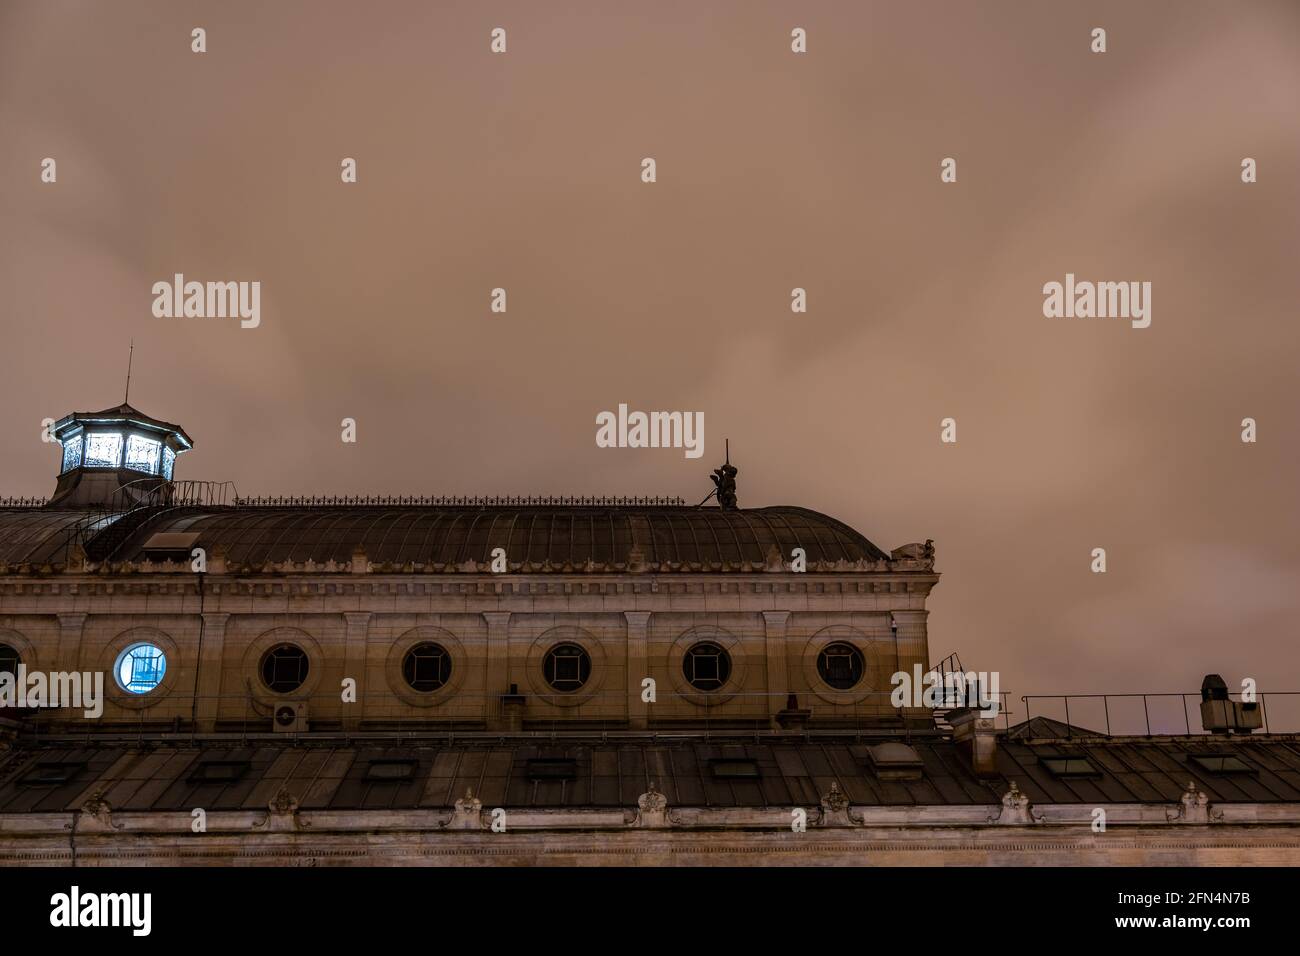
[724,484]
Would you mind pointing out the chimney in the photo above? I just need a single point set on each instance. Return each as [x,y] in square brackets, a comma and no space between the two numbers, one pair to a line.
[976,737]
[512,709]
[793,717]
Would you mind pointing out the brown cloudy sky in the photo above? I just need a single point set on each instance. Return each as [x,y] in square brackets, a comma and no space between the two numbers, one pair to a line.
[775,171]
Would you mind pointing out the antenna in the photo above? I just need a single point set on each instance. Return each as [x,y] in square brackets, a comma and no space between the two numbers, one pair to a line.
[727,440]
[130,357]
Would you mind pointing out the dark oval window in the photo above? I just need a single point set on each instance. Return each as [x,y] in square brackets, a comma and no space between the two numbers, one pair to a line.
[8,660]
[427,667]
[840,665]
[284,668]
[566,667]
[707,666]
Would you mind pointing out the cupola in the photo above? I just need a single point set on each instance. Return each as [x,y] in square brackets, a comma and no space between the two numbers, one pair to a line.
[115,457]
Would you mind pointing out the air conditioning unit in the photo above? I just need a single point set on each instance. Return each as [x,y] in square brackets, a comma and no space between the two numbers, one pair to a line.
[290,718]
[1221,715]
[1230,716]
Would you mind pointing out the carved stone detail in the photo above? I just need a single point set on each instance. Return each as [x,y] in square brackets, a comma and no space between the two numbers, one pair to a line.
[1193,808]
[1016,809]
[468,814]
[652,809]
[97,815]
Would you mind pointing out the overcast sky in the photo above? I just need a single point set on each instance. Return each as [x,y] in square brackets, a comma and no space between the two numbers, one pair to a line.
[775,171]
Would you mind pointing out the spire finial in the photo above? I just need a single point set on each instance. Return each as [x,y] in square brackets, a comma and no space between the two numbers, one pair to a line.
[129,359]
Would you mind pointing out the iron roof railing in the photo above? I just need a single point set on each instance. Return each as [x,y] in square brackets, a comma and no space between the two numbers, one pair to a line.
[471,501]
[212,494]
[1163,726]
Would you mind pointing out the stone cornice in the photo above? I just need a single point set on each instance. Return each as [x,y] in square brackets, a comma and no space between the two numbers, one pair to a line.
[870,822]
[507,585]
[361,565]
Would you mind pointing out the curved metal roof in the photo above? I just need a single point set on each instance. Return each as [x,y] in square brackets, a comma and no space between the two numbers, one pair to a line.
[560,535]
[36,535]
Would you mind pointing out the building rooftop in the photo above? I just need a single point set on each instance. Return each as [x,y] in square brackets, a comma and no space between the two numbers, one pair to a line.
[720,772]
[700,538]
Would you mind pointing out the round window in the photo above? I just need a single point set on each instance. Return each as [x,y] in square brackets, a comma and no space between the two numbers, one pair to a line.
[426,667]
[9,660]
[140,668]
[707,666]
[840,665]
[566,667]
[284,668]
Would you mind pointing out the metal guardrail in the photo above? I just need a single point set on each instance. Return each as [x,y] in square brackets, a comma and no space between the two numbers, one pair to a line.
[104,528]
[1164,724]
[211,494]
[473,501]
[392,715]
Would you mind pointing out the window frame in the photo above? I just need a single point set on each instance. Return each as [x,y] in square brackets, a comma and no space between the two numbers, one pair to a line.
[304,667]
[725,670]
[582,657]
[854,654]
[120,659]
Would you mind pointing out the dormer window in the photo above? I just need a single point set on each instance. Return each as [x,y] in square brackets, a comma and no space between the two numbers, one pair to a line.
[103,450]
[168,460]
[142,454]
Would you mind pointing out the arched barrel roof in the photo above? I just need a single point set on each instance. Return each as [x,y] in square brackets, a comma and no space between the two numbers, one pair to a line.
[706,536]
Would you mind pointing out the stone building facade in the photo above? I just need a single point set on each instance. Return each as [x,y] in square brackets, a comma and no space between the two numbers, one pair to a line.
[482,681]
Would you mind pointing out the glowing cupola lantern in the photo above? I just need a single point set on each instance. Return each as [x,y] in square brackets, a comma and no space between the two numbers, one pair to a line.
[114,458]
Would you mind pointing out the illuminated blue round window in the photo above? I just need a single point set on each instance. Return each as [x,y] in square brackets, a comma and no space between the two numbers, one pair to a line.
[140,668]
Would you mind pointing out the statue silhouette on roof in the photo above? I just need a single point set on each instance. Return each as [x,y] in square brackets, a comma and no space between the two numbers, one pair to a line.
[724,484]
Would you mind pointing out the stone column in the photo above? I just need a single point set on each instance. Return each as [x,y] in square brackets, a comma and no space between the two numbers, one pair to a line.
[912,648]
[357,628]
[69,652]
[778,678]
[208,667]
[913,645]
[638,667]
[497,679]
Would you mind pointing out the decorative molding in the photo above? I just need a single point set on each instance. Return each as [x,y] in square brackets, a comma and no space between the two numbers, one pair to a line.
[282,814]
[652,810]
[725,639]
[399,647]
[1194,808]
[536,656]
[835,811]
[1016,809]
[96,816]
[468,814]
